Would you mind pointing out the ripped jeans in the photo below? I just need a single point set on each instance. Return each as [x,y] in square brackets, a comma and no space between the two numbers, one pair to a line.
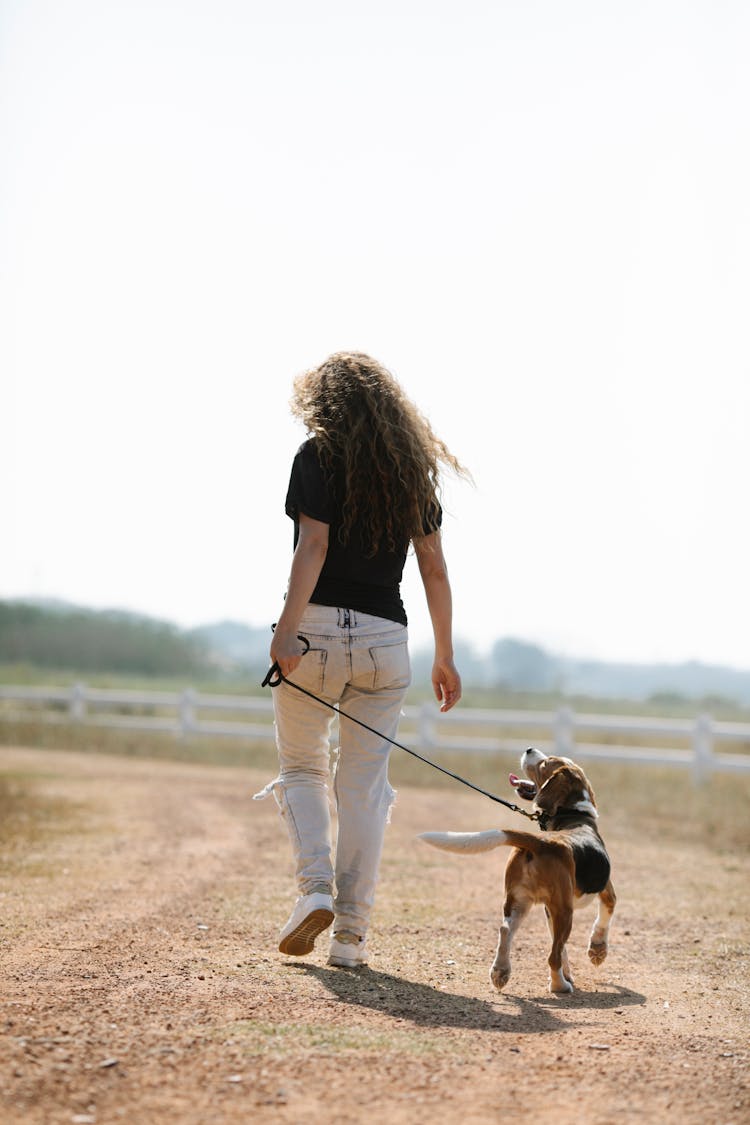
[362,663]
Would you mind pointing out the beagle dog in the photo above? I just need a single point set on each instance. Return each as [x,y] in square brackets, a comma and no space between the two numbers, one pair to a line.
[563,868]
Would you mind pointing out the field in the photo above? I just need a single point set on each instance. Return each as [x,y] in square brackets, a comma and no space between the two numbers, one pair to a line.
[141,899]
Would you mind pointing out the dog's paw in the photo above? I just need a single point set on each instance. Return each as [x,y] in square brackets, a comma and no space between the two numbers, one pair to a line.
[597,951]
[499,976]
[559,984]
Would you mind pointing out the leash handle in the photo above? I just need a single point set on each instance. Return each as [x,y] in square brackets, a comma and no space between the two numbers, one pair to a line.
[273,676]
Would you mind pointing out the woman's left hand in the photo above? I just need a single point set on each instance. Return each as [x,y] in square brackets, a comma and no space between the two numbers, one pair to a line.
[446,683]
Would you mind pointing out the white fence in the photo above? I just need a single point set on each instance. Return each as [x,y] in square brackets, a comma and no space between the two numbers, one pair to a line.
[183,714]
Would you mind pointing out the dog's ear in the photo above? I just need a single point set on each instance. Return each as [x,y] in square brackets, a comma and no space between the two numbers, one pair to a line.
[580,779]
[555,790]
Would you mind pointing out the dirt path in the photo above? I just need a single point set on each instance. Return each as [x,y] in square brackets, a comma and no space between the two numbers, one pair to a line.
[140,979]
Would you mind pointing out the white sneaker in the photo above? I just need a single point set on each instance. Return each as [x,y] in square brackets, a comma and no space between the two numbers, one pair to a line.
[311,915]
[348,950]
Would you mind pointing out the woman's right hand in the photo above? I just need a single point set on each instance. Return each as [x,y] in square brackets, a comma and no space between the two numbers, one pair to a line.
[286,650]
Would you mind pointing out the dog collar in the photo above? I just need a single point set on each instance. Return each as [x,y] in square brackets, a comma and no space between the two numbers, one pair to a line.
[562,814]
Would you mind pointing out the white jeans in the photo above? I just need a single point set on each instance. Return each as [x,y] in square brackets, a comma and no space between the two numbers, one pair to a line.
[360,662]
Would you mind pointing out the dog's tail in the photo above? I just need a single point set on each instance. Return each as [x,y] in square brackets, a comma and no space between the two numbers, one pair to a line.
[473,842]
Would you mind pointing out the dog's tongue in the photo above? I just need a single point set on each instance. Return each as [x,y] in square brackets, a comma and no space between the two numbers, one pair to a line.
[513,780]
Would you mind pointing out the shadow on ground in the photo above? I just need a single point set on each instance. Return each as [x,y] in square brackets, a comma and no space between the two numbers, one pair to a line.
[427,1006]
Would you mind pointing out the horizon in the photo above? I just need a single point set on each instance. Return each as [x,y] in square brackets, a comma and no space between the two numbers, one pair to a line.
[417,648]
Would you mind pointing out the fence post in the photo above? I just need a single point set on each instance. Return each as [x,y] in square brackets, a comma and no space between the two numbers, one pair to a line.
[702,749]
[77,706]
[426,726]
[186,712]
[563,733]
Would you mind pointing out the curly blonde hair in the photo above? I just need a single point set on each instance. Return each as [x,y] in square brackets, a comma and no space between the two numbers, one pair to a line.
[380,455]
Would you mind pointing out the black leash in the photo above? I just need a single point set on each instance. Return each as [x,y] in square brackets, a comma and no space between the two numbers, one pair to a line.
[274,677]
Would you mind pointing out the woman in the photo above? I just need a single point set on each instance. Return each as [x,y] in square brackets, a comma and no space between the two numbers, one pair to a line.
[362,488]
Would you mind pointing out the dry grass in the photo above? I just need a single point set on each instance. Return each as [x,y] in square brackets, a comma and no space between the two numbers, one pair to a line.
[29,818]
[137,744]
[640,796]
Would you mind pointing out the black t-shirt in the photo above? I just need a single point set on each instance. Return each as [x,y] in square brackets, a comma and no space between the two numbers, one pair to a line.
[349,578]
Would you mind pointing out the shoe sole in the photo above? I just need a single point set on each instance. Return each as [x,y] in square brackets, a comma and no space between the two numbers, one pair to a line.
[302,940]
[347,963]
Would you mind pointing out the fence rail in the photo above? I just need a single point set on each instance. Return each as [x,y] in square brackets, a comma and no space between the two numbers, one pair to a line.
[686,743]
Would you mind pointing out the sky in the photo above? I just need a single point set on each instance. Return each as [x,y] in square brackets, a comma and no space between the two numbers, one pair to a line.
[536,215]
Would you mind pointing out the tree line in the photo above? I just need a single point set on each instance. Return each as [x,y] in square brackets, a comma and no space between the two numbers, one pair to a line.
[94,641]
[62,636]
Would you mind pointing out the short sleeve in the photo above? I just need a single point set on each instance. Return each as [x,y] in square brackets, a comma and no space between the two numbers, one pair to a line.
[432,522]
[308,493]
